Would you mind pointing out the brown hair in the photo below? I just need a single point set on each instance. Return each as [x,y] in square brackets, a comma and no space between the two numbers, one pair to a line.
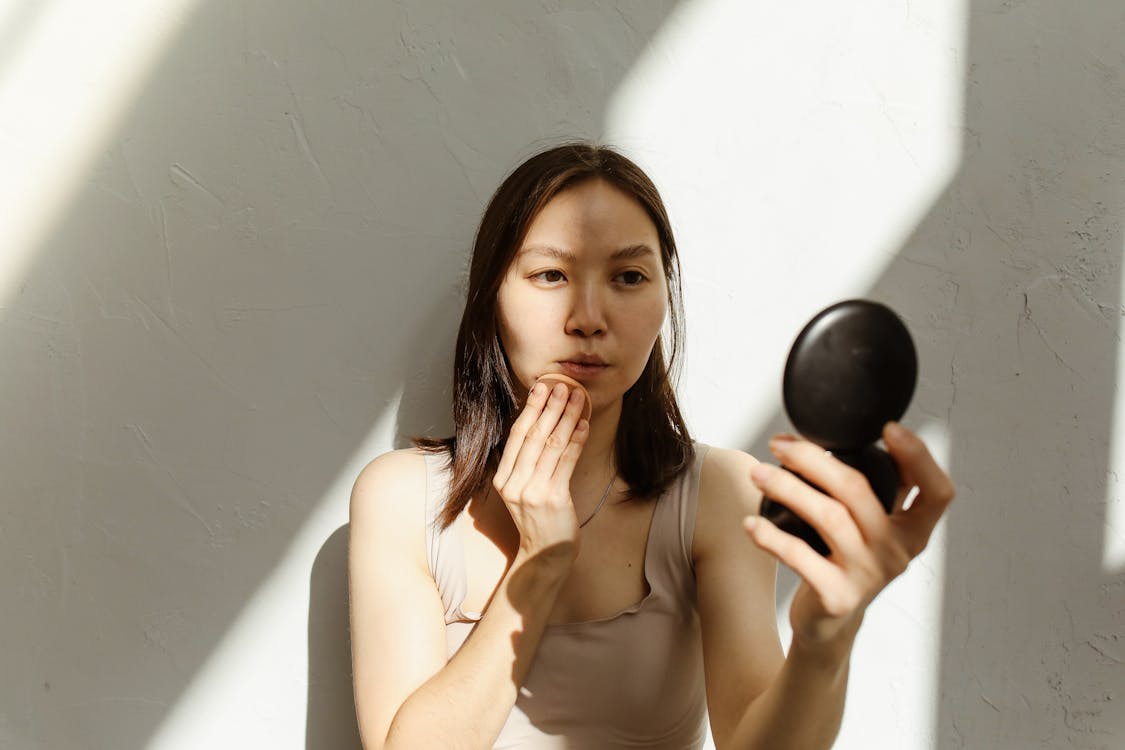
[653,446]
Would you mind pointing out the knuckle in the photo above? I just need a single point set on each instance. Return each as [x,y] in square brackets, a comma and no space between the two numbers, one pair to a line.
[838,604]
[527,494]
[856,484]
[834,515]
[554,440]
[849,600]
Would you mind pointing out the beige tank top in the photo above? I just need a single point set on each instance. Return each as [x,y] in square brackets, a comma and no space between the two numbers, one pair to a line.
[630,680]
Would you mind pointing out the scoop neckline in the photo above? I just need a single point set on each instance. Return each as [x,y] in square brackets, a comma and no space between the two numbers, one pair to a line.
[472,616]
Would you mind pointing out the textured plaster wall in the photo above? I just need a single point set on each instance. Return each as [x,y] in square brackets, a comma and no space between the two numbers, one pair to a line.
[250,283]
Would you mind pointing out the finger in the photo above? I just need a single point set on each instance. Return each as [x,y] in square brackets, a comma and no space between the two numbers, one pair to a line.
[917,467]
[821,575]
[564,469]
[536,437]
[838,480]
[536,400]
[828,517]
[560,437]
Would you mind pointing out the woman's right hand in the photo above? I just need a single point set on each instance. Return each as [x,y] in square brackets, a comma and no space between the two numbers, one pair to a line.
[533,477]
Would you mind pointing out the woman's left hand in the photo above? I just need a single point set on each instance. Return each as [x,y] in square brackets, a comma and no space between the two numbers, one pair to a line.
[868,548]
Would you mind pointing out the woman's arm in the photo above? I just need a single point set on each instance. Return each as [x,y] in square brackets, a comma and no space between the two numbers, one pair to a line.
[798,702]
[407,696]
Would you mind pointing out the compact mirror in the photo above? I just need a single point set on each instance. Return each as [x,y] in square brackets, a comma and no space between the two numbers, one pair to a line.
[852,369]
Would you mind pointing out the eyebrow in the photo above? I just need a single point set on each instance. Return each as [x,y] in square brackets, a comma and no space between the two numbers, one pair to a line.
[628,252]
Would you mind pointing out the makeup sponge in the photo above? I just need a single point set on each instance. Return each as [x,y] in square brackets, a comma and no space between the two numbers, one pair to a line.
[553,377]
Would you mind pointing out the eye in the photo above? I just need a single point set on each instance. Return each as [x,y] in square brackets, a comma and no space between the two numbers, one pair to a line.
[632,278]
[552,276]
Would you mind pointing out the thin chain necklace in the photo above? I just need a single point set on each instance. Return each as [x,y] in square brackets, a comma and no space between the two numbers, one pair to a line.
[601,502]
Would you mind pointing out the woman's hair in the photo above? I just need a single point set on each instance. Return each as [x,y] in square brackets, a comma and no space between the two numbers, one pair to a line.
[653,446]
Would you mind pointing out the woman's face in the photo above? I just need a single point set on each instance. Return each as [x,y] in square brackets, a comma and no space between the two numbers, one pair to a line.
[586,293]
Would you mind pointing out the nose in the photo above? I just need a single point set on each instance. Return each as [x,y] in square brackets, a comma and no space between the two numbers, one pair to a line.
[587,312]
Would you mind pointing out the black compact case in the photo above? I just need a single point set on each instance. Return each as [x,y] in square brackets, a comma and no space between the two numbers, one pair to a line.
[852,369]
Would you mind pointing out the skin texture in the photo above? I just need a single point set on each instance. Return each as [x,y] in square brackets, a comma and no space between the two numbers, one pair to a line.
[565,294]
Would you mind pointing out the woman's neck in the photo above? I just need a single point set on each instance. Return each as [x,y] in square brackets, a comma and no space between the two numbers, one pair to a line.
[598,461]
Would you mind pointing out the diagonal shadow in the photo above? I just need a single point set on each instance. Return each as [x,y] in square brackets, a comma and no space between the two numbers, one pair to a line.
[268,251]
[1031,236]
[200,320]
[1011,286]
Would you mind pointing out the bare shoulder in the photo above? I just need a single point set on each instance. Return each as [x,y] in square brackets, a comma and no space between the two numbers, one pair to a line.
[390,480]
[726,496]
[392,469]
[395,609]
[388,502]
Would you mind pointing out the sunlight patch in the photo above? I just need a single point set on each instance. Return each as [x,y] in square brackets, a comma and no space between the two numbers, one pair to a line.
[64,85]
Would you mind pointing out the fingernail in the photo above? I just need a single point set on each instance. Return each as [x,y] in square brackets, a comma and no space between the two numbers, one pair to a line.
[895,431]
[779,444]
[538,389]
[750,523]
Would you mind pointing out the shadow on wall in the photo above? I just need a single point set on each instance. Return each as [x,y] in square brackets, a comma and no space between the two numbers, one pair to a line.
[331,710]
[1030,612]
[267,253]
[1011,286]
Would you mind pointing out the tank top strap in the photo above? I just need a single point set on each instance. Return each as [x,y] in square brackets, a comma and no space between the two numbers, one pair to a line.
[444,548]
[673,521]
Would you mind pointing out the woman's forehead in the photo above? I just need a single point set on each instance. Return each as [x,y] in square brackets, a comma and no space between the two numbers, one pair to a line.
[594,217]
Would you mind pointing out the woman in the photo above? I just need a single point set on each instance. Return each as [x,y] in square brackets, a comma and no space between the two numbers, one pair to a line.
[542,580]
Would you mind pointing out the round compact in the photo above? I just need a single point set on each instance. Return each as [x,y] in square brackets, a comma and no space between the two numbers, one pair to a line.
[851,370]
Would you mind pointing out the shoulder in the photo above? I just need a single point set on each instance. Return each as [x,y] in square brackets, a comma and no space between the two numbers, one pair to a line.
[388,477]
[726,496]
[388,501]
[724,479]
[392,466]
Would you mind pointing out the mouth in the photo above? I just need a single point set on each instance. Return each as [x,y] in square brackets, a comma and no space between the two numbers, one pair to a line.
[583,366]
[584,359]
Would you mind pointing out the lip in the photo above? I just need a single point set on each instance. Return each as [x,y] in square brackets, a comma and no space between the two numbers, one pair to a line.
[579,369]
[584,359]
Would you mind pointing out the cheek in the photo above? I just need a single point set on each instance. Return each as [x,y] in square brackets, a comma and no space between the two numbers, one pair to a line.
[645,323]
[518,322]
[504,318]
[650,317]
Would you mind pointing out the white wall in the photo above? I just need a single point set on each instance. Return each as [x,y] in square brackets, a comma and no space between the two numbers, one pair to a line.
[234,236]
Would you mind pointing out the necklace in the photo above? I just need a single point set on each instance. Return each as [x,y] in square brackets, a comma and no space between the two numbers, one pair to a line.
[601,502]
